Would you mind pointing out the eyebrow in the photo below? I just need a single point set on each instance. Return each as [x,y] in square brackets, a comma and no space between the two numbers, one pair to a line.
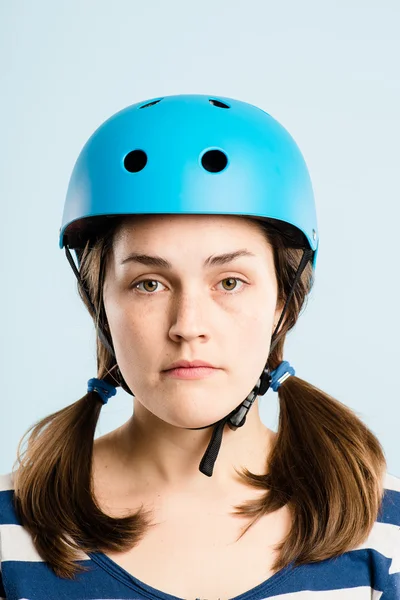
[158,261]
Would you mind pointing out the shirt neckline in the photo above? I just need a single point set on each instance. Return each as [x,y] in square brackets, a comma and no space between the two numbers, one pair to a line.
[262,590]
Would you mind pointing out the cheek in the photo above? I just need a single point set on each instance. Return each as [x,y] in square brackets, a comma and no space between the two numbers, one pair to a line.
[130,330]
[138,334]
[255,322]
[252,341]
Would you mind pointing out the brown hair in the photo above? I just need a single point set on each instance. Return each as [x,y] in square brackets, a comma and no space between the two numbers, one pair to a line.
[326,465]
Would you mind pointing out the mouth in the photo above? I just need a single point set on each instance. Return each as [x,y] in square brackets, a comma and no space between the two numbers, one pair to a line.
[189,364]
[191,372]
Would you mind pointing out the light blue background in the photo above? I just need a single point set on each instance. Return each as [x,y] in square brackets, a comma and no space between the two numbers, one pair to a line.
[329,71]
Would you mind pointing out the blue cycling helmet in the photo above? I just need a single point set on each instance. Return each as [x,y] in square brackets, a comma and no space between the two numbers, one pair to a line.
[192,154]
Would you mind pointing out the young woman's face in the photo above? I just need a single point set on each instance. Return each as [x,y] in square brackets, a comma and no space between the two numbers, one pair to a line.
[193,308]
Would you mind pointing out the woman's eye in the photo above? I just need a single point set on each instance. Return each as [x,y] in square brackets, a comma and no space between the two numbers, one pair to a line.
[151,285]
[231,281]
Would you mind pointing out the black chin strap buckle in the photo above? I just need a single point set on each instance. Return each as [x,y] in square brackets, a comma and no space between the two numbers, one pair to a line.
[238,419]
[264,381]
[235,419]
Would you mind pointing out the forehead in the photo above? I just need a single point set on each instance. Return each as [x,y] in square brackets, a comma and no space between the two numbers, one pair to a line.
[199,229]
[190,243]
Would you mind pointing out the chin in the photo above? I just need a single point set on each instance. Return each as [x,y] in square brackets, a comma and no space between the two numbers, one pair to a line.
[193,421]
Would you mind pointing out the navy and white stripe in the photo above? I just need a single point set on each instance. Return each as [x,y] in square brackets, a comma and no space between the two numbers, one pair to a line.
[370,571]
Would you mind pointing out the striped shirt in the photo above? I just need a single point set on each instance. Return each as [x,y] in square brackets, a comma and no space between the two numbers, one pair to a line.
[370,571]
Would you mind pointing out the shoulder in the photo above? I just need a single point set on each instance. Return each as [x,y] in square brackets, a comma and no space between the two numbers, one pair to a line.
[383,542]
[7,512]
[386,530]
[15,542]
[390,509]
[6,482]
[392,482]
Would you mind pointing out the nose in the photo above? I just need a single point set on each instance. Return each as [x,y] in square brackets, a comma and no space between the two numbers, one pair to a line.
[188,317]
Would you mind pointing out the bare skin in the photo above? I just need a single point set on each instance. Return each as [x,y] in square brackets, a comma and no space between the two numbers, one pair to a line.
[190,311]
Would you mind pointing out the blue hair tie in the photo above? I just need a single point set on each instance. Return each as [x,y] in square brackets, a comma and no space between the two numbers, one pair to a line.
[104,390]
[280,374]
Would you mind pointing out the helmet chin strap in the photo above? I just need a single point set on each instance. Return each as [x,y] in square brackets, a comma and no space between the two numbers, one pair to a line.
[237,417]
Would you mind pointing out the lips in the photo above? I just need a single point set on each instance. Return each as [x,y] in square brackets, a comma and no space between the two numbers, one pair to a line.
[186,364]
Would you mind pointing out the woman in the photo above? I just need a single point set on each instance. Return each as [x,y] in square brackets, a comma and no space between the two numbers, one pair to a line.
[193,223]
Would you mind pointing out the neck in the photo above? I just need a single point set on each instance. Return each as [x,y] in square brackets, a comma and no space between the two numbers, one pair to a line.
[150,454]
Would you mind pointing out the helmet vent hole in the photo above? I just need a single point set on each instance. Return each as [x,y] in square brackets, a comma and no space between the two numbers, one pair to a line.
[135,161]
[218,103]
[214,161]
[150,103]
